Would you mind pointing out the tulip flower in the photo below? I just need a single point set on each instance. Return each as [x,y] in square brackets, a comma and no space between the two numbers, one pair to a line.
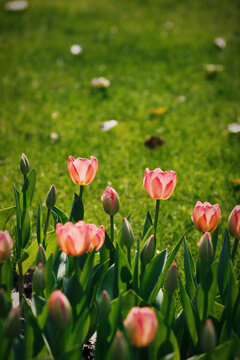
[206,217]
[234,222]
[24,165]
[234,227]
[95,235]
[6,245]
[82,171]
[159,185]
[141,326]
[77,239]
[60,310]
[110,201]
[72,238]
[171,279]
[208,337]
[119,348]
[12,324]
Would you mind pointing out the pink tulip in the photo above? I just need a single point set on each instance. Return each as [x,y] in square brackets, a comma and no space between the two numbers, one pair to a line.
[206,217]
[159,184]
[72,239]
[141,325]
[6,245]
[234,222]
[82,171]
[60,310]
[96,236]
[77,239]
[110,201]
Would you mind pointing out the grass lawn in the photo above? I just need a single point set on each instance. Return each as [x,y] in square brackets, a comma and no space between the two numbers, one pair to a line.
[153,52]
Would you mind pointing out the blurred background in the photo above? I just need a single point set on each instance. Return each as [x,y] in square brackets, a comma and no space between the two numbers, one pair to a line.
[172,109]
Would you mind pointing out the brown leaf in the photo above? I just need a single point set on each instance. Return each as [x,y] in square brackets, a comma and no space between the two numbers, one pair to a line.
[236,181]
[153,142]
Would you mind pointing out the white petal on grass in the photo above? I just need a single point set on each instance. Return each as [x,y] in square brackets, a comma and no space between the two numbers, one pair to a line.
[108,125]
[76,49]
[16,5]
[182,98]
[220,42]
[168,25]
[213,68]
[54,137]
[234,128]
[100,82]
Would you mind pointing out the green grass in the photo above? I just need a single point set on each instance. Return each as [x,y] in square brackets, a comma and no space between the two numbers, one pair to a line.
[148,66]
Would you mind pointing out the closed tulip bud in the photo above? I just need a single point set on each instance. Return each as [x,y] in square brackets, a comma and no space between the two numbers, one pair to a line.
[41,256]
[148,250]
[24,165]
[39,278]
[51,197]
[141,326]
[120,348]
[110,201]
[105,305]
[234,222]
[6,245]
[171,281]
[12,324]
[60,310]
[127,233]
[4,305]
[205,247]
[208,337]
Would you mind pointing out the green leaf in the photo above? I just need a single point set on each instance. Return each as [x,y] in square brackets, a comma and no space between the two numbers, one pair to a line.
[164,345]
[136,271]
[49,277]
[18,218]
[224,264]
[206,292]
[106,284]
[5,215]
[87,269]
[188,314]
[122,272]
[61,266]
[189,271]
[94,281]
[25,228]
[215,239]
[29,187]
[77,211]
[6,276]
[152,274]
[59,215]
[147,224]
[52,246]
[129,299]
[30,256]
[39,224]
[169,261]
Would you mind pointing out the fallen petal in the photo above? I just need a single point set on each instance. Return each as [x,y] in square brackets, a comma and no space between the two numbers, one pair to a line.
[16,5]
[234,128]
[220,42]
[107,125]
[76,49]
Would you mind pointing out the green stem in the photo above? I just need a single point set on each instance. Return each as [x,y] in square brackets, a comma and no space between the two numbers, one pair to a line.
[81,191]
[234,249]
[46,228]
[129,255]
[76,266]
[156,218]
[20,282]
[112,228]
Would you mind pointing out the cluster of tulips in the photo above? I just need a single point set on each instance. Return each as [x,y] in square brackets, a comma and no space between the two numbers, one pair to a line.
[120,288]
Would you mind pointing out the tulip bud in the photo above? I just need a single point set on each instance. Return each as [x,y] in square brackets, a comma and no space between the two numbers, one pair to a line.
[12,324]
[4,305]
[208,337]
[148,250]
[110,201]
[39,278]
[51,197]
[6,245]
[127,233]
[234,222]
[24,165]
[205,247]
[60,310]
[171,281]
[105,305]
[141,325]
[120,349]
[41,256]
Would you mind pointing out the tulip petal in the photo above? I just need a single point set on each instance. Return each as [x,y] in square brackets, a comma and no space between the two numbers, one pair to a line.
[72,170]
[81,166]
[157,188]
